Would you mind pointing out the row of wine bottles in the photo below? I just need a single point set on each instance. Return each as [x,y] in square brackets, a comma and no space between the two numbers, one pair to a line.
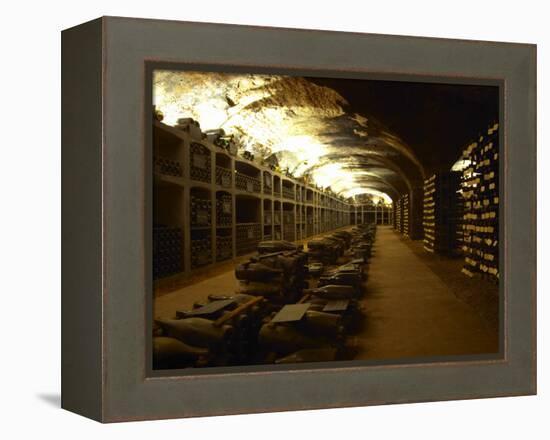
[248,237]
[200,166]
[247,183]
[399,216]
[223,177]
[481,204]
[168,167]
[201,250]
[224,210]
[167,251]
[442,212]
[288,193]
[201,212]
[405,215]
[224,247]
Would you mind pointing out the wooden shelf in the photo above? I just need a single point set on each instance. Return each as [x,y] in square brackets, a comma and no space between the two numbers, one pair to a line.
[166,180]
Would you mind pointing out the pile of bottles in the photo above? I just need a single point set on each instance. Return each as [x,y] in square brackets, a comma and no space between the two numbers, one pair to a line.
[279,313]
[221,331]
[324,250]
[316,327]
[363,240]
[280,275]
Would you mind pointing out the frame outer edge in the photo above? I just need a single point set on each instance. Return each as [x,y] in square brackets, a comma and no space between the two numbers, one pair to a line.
[81,213]
[127,395]
[534,79]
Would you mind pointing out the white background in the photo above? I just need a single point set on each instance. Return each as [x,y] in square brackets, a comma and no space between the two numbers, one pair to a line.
[30,218]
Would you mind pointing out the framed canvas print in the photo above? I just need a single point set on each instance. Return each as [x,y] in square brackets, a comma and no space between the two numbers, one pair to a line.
[262,219]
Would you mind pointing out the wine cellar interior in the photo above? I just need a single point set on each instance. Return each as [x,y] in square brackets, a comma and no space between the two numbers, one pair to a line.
[380,243]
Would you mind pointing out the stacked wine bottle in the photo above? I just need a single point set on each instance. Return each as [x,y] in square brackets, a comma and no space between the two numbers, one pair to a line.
[441,212]
[224,210]
[428,220]
[167,167]
[201,248]
[405,215]
[224,247]
[399,216]
[480,189]
[201,212]
[223,177]
[200,166]
[167,251]
[201,236]
[459,230]
[247,183]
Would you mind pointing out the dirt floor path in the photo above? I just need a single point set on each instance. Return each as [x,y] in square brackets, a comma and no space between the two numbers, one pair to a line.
[412,313]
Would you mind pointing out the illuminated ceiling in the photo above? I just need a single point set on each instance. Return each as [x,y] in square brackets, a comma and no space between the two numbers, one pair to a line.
[308,127]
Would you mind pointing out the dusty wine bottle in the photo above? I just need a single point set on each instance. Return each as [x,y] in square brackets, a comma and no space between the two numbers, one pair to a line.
[199,332]
[332,292]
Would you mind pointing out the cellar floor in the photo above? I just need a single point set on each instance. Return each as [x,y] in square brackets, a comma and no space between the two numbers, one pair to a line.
[411,312]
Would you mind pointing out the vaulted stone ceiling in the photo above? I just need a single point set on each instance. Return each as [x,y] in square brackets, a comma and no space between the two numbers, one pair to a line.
[329,130]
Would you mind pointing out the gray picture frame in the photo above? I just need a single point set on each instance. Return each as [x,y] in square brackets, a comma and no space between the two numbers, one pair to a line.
[106,194]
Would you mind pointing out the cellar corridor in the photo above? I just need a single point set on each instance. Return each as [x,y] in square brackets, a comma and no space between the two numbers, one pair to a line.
[410,311]
[397,213]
